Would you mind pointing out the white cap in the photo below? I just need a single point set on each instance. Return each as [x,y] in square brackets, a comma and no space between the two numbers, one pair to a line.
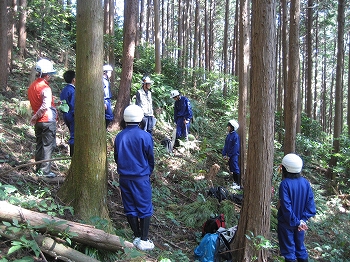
[147,80]
[174,93]
[293,163]
[133,114]
[234,123]
[44,66]
[107,68]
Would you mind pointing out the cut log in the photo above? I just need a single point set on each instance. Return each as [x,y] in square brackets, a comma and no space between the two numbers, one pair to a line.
[54,249]
[86,234]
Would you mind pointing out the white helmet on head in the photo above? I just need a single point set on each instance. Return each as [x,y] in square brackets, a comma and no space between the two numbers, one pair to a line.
[44,66]
[174,93]
[146,80]
[133,114]
[107,68]
[234,123]
[293,163]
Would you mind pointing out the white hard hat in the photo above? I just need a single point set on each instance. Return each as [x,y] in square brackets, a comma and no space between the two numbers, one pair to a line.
[107,68]
[44,66]
[147,80]
[234,123]
[293,163]
[174,93]
[133,114]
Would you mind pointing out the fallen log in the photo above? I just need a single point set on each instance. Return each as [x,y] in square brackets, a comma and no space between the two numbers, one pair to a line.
[54,249]
[82,233]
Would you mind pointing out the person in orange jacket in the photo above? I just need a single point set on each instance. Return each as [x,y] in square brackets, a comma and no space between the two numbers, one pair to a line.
[44,116]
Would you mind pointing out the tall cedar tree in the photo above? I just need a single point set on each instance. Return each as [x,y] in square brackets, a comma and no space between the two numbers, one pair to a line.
[255,212]
[3,44]
[338,111]
[85,187]
[131,9]
[292,89]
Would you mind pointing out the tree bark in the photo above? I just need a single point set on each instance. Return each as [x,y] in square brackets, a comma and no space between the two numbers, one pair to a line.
[292,89]
[244,63]
[85,234]
[225,53]
[309,62]
[131,8]
[157,49]
[3,44]
[22,33]
[86,184]
[257,187]
[338,102]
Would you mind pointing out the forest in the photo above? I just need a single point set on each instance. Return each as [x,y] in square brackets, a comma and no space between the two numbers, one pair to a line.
[280,68]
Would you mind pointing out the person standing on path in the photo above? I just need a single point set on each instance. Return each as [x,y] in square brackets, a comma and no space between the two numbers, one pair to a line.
[68,98]
[44,116]
[182,114]
[144,100]
[231,152]
[133,153]
[296,206]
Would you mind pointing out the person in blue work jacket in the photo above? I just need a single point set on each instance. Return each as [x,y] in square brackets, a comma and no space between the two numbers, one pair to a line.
[231,152]
[296,206]
[133,153]
[107,73]
[144,100]
[182,114]
[68,97]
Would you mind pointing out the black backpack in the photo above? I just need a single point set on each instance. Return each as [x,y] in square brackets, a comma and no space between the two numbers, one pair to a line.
[223,250]
[219,192]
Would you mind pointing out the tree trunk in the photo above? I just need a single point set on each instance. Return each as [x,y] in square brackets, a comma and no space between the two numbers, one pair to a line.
[212,18]
[309,52]
[244,44]
[22,32]
[338,102]
[206,37]
[180,34]
[3,44]
[225,45]
[130,26]
[292,89]
[80,233]
[157,50]
[315,110]
[235,46]
[257,187]
[86,184]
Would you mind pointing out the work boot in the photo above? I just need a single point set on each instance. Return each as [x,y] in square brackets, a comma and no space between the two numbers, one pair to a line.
[144,226]
[145,243]
[135,227]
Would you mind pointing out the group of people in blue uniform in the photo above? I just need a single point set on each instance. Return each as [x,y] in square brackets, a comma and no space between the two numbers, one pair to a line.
[133,153]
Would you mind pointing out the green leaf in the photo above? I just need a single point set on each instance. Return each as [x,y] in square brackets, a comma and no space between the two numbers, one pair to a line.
[64,107]
[14,249]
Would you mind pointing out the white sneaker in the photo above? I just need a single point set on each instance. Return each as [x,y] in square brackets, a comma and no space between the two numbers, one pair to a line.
[136,241]
[145,245]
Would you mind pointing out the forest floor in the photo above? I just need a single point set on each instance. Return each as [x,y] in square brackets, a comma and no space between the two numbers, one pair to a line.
[178,181]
